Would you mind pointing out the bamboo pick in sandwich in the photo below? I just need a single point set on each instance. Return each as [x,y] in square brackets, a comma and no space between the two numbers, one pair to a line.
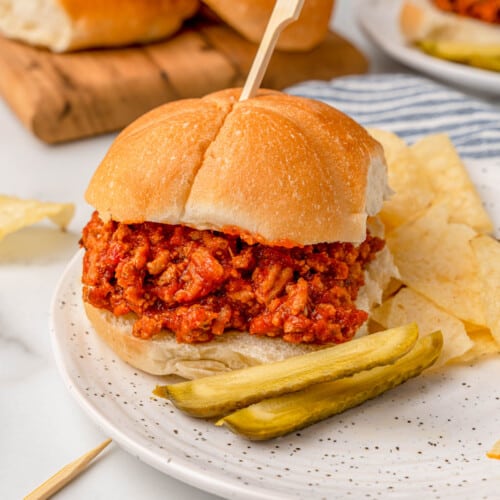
[284,12]
[65,475]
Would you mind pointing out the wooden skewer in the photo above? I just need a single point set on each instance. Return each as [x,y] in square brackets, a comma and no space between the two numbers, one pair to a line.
[65,475]
[284,12]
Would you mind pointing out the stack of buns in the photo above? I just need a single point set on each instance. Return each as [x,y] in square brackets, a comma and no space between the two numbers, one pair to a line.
[65,25]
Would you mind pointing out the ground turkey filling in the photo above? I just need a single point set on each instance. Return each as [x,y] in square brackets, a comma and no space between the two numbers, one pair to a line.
[486,10]
[200,283]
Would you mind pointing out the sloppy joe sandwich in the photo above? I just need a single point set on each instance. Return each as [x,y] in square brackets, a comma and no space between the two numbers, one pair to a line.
[464,31]
[228,234]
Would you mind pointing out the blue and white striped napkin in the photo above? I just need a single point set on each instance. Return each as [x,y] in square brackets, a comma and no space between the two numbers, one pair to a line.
[412,107]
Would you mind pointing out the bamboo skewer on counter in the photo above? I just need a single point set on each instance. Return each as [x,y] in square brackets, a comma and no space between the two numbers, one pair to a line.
[284,13]
[65,475]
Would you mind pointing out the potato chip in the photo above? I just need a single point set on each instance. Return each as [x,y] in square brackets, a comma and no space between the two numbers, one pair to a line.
[409,306]
[440,163]
[495,451]
[451,275]
[487,253]
[434,257]
[16,213]
[484,345]
[412,191]
[393,145]
[430,171]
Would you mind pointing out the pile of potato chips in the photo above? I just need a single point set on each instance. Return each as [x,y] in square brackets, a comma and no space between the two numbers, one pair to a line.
[439,235]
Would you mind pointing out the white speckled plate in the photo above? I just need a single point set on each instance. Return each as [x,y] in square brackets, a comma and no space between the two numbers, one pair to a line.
[425,439]
[379,19]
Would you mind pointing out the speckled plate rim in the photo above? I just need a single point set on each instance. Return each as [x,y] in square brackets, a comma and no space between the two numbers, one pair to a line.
[178,468]
[378,18]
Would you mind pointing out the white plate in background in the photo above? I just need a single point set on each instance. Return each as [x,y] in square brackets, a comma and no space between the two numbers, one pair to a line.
[379,19]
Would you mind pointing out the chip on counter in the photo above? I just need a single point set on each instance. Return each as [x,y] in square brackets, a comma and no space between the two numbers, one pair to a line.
[495,451]
[16,213]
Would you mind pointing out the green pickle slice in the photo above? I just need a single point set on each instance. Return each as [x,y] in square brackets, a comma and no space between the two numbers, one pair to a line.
[220,394]
[275,417]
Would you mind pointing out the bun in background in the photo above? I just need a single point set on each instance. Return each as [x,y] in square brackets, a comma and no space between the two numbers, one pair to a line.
[250,17]
[63,25]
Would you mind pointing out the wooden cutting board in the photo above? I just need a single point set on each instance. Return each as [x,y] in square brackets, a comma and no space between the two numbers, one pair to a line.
[60,97]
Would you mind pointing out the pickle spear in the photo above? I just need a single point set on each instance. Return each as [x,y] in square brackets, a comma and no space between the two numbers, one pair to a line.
[220,394]
[474,54]
[274,417]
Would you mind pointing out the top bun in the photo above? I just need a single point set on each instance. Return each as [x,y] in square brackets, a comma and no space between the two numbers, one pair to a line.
[281,169]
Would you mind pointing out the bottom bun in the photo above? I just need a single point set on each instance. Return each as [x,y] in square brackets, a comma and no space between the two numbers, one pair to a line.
[163,355]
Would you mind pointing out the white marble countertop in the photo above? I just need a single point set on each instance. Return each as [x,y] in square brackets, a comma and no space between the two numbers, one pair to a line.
[41,426]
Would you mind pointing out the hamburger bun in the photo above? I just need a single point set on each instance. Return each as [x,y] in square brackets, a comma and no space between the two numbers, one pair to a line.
[163,355]
[275,169]
[284,169]
[250,18]
[64,25]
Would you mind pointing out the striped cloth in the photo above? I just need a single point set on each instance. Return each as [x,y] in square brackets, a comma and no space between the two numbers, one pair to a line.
[412,107]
